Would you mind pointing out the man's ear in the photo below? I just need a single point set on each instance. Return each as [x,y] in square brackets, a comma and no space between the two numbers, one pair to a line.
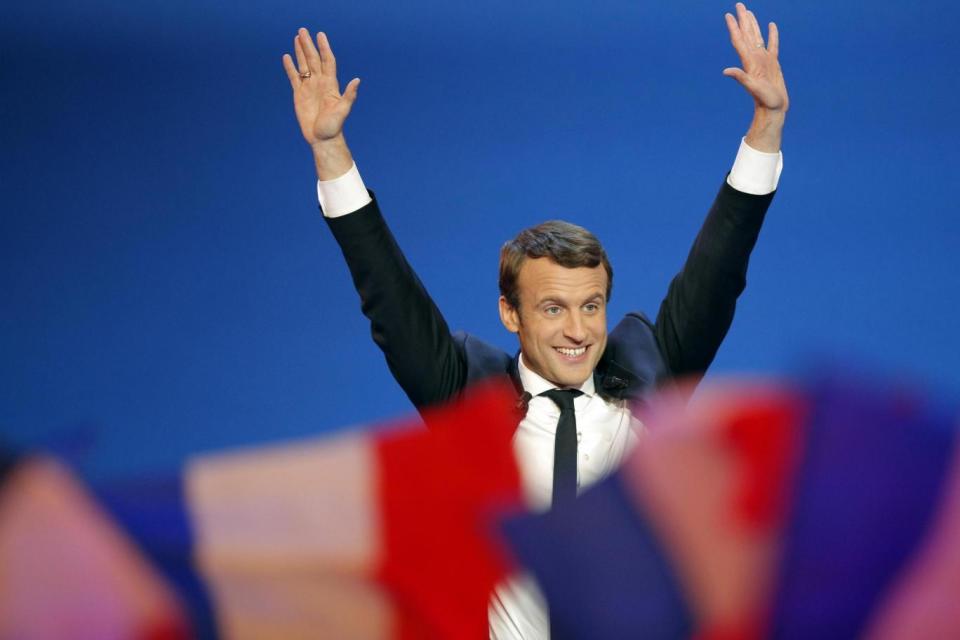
[509,316]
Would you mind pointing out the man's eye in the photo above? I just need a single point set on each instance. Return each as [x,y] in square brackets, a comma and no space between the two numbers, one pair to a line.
[552,311]
[591,307]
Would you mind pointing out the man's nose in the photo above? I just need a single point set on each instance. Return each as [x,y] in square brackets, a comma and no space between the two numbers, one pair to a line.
[574,328]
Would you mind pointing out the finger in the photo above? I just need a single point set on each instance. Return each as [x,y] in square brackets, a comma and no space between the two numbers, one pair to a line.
[310,51]
[773,39]
[349,97]
[737,74]
[350,93]
[302,66]
[291,71]
[736,37]
[326,55]
[755,29]
[743,21]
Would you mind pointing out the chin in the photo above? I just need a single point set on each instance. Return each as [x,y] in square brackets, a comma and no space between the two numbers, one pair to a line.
[573,379]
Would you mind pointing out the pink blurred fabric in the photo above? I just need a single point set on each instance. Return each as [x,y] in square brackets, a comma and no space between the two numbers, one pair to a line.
[713,477]
[66,572]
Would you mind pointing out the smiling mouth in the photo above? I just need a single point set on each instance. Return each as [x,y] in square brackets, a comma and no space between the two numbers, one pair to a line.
[571,353]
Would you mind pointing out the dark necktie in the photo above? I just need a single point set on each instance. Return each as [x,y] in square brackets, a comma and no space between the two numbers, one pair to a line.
[565,446]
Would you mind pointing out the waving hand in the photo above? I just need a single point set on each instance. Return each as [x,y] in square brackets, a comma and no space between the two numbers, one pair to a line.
[761,75]
[321,108]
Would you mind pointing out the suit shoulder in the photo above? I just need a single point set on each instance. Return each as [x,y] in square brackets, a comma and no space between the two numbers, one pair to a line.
[632,355]
[482,358]
[634,320]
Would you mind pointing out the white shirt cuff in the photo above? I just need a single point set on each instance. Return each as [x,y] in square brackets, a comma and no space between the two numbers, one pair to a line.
[755,172]
[342,195]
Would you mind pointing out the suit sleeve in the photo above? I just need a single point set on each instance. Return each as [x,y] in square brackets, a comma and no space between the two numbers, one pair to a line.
[404,321]
[700,302]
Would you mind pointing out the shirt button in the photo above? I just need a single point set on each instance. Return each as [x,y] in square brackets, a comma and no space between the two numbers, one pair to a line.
[586,456]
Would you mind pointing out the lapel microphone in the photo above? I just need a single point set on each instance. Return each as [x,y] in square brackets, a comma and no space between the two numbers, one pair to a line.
[523,403]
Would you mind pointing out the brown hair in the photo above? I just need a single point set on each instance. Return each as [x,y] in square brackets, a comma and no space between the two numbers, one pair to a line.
[567,244]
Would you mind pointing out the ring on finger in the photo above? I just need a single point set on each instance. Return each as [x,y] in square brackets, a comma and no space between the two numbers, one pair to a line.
[305,74]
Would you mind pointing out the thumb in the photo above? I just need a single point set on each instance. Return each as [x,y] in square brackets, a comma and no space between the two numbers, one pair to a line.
[737,74]
[350,93]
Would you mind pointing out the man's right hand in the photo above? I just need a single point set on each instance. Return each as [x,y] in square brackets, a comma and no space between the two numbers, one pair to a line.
[320,107]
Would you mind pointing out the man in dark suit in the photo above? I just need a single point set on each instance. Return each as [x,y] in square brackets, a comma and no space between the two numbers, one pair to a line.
[555,281]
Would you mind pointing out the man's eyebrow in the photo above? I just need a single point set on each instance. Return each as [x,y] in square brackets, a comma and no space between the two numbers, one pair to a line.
[551,300]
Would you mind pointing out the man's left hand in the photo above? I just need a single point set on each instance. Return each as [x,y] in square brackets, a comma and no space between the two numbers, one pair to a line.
[761,75]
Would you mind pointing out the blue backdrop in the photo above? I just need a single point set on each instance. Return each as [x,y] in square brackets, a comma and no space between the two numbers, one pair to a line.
[168,286]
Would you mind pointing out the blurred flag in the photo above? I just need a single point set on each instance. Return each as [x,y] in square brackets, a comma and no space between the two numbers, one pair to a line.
[366,535]
[828,510]
[369,534]
[874,476]
[923,601]
[67,571]
[683,539]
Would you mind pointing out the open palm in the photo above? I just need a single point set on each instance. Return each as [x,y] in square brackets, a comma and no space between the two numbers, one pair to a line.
[320,107]
[761,75]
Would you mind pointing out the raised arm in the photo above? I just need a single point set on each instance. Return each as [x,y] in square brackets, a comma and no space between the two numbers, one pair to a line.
[407,326]
[697,312]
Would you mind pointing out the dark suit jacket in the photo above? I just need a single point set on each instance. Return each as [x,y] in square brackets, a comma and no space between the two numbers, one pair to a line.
[433,365]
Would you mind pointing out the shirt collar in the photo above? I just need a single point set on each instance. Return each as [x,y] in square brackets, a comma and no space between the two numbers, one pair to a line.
[535,384]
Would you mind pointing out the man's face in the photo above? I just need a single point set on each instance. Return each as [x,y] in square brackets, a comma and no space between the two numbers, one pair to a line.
[562,319]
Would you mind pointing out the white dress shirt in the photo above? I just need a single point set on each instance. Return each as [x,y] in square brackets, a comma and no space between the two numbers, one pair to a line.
[606,431]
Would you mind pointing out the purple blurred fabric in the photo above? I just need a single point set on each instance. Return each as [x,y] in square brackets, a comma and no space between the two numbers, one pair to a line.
[870,482]
[602,569]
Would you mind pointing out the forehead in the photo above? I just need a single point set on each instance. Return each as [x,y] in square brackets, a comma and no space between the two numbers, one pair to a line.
[542,277]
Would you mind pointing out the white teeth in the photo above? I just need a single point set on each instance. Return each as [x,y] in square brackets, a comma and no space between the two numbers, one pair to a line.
[573,353]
